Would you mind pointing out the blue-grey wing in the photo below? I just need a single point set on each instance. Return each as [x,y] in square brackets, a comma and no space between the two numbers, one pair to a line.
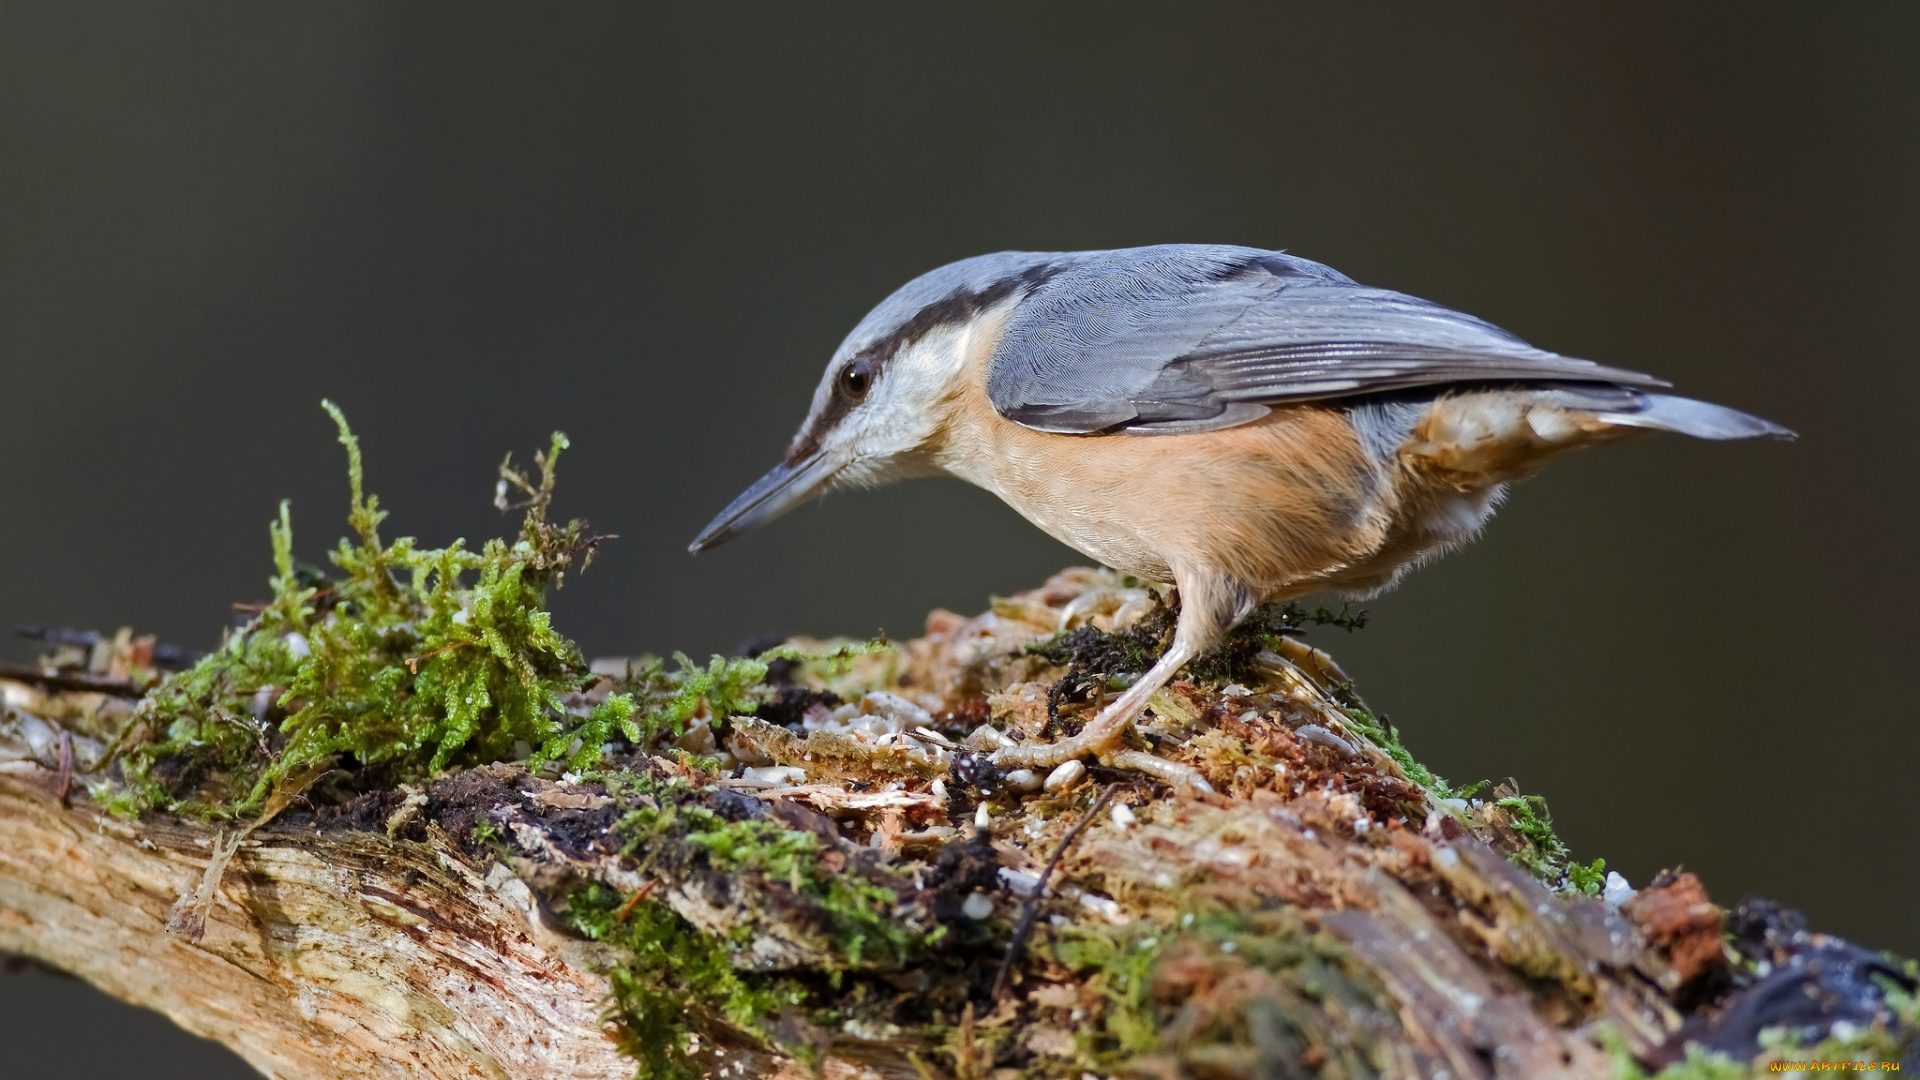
[1188,337]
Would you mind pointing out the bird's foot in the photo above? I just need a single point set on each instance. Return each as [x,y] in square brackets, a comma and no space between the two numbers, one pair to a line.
[1101,736]
[1091,741]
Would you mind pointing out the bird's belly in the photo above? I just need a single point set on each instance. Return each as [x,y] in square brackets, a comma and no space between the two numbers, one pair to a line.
[1289,499]
[1093,532]
[1299,501]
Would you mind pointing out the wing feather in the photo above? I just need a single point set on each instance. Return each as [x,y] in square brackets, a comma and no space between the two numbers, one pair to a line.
[1186,337]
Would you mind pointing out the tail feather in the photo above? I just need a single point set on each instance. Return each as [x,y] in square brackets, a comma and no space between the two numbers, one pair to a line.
[1700,419]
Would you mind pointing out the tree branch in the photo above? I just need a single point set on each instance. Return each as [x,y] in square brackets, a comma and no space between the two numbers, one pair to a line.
[828,901]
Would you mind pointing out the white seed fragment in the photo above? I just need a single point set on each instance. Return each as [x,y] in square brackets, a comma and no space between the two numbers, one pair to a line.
[938,787]
[982,817]
[1617,891]
[774,775]
[1122,815]
[1023,780]
[1065,774]
[977,906]
[1106,907]
[1446,857]
[1321,736]
[1019,882]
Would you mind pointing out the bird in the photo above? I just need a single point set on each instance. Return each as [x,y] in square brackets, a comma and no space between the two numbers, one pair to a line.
[1246,425]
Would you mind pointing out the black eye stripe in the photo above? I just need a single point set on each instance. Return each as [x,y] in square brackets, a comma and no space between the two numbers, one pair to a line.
[957,307]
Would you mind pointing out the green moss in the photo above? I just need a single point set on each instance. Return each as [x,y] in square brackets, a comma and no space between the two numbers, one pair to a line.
[1118,964]
[1699,1064]
[857,915]
[672,980]
[411,660]
[1587,880]
[1228,993]
[1534,845]
[673,700]
[1387,737]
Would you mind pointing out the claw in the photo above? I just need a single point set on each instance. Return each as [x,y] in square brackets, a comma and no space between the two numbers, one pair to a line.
[1096,738]
[1203,621]
[1047,755]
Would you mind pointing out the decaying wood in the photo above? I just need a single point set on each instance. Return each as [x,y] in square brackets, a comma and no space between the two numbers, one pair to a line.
[335,955]
[381,938]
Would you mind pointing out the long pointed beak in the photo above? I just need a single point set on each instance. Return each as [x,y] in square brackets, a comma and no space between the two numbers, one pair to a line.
[782,489]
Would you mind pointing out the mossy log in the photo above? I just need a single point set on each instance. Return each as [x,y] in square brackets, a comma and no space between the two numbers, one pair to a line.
[841,887]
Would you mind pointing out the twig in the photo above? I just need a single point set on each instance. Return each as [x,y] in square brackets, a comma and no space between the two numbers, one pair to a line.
[63,781]
[1032,909]
[70,680]
[633,901]
[965,1064]
[165,656]
[413,662]
[188,917]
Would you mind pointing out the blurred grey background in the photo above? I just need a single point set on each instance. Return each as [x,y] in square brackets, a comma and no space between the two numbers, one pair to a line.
[471,225]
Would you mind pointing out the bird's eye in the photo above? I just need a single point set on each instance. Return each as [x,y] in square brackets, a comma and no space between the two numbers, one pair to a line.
[856,378]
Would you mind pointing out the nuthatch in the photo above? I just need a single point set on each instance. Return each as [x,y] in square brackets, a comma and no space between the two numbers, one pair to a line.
[1247,425]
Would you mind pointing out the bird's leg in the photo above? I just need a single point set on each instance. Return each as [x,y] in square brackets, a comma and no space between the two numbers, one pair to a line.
[1210,604]
[1104,729]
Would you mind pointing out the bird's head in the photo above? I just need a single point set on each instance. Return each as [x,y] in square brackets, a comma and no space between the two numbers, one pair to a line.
[886,396]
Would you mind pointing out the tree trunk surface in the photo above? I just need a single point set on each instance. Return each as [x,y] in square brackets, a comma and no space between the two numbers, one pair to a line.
[1326,909]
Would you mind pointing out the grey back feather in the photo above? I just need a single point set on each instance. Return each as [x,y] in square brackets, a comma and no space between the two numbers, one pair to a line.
[1191,337]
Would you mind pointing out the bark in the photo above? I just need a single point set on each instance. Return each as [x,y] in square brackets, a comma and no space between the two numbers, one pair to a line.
[341,954]
[1351,922]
